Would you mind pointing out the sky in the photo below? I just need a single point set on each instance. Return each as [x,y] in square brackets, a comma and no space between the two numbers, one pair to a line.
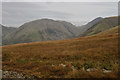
[14,14]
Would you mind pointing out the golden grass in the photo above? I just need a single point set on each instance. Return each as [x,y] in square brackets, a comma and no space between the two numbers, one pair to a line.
[99,51]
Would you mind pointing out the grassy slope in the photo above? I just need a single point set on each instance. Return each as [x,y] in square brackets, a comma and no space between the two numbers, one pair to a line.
[99,51]
[111,31]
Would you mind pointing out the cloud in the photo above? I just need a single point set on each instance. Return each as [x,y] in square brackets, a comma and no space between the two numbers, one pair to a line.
[79,13]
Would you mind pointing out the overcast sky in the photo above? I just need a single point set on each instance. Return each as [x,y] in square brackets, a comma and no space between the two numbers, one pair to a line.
[79,13]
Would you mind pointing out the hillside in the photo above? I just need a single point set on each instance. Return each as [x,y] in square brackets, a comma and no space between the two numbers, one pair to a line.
[70,58]
[49,30]
[90,24]
[7,30]
[41,30]
[103,25]
[110,31]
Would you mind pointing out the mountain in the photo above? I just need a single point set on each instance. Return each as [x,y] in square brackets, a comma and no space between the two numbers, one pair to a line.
[48,30]
[7,30]
[102,25]
[90,24]
[41,30]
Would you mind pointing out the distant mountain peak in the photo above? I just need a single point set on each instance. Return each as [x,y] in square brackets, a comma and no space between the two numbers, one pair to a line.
[48,29]
[101,25]
[99,18]
[42,30]
[96,20]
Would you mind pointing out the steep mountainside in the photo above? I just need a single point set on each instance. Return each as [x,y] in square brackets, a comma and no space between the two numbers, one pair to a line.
[42,30]
[103,25]
[7,30]
[90,24]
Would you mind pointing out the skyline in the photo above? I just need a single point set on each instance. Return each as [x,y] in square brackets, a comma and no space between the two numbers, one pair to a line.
[78,13]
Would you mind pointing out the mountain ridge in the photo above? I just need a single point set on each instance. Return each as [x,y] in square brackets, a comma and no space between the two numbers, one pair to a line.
[42,30]
[103,25]
[49,29]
